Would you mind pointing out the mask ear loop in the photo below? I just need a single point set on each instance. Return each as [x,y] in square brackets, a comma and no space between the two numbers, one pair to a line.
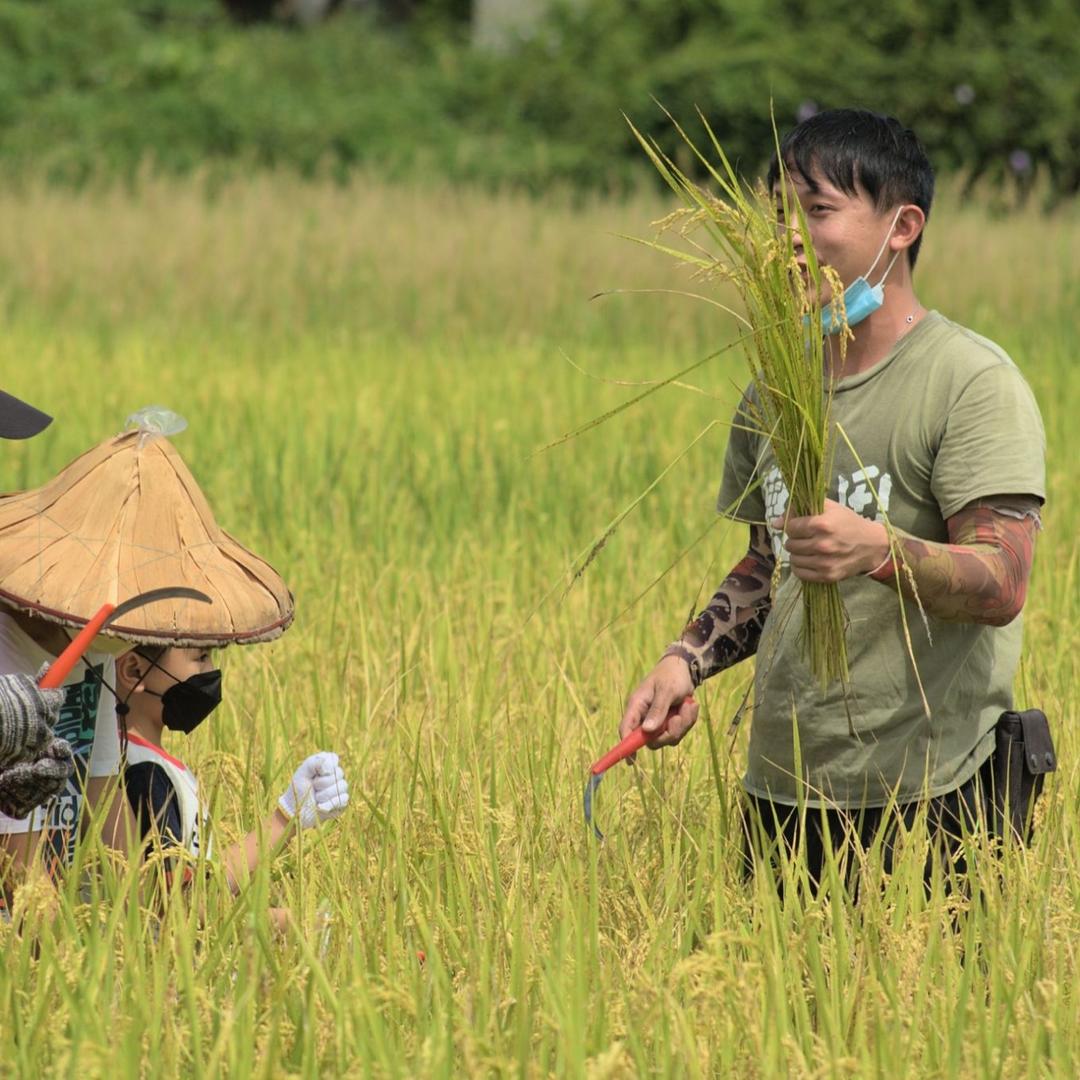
[888,269]
[122,707]
[881,251]
[164,671]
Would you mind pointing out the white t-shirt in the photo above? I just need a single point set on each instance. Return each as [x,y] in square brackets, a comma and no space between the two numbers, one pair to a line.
[87,722]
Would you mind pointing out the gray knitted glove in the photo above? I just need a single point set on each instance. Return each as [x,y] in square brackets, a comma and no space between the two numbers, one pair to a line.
[31,783]
[27,715]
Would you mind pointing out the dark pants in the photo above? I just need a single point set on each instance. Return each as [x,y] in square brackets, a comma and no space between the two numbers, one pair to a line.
[807,835]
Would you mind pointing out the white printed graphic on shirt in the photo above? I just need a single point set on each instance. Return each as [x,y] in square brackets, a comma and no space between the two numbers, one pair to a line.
[87,722]
[859,497]
[856,492]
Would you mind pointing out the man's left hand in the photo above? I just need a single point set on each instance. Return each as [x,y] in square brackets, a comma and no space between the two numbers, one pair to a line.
[834,545]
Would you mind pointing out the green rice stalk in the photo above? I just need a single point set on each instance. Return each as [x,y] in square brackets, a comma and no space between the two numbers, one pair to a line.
[746,247]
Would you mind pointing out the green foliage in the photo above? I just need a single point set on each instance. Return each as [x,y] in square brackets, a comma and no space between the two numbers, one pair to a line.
[102,86]
[977,81]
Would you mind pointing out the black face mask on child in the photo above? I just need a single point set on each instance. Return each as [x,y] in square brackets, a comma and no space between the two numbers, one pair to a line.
[187,704]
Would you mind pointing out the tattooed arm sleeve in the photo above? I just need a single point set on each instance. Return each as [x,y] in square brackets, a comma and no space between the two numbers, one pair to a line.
[982,574]
[729,628]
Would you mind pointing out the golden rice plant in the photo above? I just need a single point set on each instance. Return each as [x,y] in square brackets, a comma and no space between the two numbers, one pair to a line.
[747,246]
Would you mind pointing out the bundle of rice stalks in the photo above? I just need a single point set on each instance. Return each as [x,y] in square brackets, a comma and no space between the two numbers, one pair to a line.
[748,246]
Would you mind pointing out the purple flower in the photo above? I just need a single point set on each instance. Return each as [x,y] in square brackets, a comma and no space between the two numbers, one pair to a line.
[964,93]
[1020,161]
[806,109]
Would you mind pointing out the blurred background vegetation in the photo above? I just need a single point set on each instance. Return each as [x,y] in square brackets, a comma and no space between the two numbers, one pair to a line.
[523,93]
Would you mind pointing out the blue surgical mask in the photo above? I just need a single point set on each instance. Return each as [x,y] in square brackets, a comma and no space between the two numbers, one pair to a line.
[861,299]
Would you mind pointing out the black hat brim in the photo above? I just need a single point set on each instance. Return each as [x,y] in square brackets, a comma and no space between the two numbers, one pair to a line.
[19,420]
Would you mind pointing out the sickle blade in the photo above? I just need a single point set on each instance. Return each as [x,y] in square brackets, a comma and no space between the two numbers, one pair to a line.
[631,744]
[590,787]
[66,661]
[152,596]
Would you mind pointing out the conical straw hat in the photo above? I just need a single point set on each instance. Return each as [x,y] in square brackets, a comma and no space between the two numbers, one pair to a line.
[126,517]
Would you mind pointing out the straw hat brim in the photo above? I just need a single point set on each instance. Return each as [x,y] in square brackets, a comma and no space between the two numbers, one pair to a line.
[126,517]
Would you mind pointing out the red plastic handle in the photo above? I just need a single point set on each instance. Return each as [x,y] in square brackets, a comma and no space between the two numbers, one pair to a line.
[634,742]
[62,665]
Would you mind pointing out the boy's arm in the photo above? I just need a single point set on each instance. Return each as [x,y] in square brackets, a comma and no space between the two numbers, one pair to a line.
[725,632]
[157,814]
[318,791]
[241,859]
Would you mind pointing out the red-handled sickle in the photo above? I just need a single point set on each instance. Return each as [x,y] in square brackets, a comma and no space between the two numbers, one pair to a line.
[635,741]
[62,665]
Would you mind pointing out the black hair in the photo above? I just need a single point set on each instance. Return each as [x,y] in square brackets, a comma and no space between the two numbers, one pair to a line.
[853,148]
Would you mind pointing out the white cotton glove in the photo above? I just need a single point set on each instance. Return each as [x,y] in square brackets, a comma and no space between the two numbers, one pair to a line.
[318,791]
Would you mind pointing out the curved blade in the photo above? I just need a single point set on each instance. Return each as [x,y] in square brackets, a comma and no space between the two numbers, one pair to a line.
[152,596]
[629,745]
[62,666]
[590,788]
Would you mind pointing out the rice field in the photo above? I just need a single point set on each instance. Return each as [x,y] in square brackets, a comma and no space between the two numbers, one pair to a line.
[369,373]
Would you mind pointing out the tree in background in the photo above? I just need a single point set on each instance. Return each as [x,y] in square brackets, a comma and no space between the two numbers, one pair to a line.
[93,87]
[308,12]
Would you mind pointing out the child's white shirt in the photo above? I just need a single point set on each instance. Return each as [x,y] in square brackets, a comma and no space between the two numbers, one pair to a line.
[87,721]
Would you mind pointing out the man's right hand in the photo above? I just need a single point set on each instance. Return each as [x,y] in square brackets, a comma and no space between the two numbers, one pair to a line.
[668,684]
[27,715]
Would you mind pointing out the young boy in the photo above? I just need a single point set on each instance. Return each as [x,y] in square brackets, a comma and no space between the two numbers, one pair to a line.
[176,689]
[124,518]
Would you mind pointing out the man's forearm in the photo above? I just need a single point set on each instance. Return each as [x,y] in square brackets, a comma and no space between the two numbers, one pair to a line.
[982,574]
[729,628]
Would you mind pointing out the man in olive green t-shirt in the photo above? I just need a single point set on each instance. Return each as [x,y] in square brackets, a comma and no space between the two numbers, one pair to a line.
[949,444]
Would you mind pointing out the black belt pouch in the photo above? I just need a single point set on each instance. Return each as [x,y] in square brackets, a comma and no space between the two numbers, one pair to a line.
[1023,755]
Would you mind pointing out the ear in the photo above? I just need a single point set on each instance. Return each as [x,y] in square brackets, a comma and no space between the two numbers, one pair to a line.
[908,228]
[129,671]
